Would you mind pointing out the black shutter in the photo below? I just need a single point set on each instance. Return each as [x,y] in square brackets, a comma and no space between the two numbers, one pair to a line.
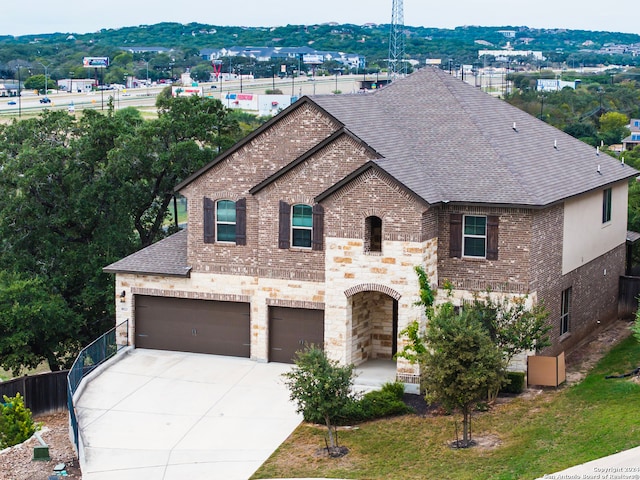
[455,235]
[318,227]
[209,221]
[492,237]
[285,225]
[241,222]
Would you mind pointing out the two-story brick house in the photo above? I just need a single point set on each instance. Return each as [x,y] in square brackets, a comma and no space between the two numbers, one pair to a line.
[309,229]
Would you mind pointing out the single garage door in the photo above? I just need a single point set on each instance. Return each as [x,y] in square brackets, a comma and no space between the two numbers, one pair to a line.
[187,325]
[291,329]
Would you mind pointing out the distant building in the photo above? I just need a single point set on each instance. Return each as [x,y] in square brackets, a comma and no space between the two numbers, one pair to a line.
[554,85]
[536,54]
[633,140]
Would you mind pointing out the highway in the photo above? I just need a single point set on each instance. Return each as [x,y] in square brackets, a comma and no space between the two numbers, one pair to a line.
[145,97]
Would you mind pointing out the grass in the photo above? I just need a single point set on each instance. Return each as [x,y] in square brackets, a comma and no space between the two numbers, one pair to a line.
[534,436]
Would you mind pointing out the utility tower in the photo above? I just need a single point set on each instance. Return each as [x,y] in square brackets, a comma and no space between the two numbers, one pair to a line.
[396,41]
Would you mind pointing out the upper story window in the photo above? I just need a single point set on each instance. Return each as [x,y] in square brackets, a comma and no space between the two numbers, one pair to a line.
[473,236]
[606,205]
[301,226]
[635,137]
[225,221]
[373,234]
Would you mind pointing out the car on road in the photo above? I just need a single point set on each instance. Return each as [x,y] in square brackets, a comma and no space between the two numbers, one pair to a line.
[45,100]
[12,102]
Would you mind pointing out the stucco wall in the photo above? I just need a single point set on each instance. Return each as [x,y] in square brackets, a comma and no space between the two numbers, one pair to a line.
[585,236]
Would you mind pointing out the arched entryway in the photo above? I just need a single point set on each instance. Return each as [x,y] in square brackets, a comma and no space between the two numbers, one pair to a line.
[374,323]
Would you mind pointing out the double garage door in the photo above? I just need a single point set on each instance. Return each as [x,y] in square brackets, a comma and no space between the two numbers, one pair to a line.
[222,328]
[199,326]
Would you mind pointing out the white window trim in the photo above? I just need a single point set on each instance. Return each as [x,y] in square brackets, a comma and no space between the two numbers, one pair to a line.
[464,235]
[220,222]
[292,228]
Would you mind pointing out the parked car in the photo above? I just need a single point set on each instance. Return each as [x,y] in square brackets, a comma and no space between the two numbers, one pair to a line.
[45,100]
[12,102]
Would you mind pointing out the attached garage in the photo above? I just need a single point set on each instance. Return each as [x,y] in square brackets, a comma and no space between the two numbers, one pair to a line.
[187,325]
[291,329]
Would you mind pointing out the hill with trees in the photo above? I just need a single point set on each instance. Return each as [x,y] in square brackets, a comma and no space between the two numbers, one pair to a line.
[62,53]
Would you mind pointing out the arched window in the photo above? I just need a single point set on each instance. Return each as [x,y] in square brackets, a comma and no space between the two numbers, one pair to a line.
[225,221]
[301,226]
[373,234]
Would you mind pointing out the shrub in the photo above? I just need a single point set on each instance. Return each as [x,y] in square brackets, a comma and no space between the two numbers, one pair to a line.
[514,384]
[376,404]
[16,424]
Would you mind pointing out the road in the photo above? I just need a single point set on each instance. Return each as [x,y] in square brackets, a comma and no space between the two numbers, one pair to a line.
[145,97]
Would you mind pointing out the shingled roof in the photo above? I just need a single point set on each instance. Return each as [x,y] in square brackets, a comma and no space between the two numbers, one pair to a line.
[168,257]
[447,141]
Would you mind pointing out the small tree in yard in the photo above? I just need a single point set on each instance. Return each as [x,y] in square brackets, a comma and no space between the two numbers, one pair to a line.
[461,363]
[320,386]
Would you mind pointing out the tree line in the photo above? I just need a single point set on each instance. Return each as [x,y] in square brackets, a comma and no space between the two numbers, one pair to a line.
[60,55]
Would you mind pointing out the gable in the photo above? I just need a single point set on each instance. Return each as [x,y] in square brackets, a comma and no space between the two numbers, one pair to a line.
[372,192]
[274,145]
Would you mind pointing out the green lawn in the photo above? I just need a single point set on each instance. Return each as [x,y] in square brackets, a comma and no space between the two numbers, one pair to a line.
[545,434]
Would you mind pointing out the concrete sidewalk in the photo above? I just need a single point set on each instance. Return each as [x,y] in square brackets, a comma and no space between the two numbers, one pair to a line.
[163,415]
[623,465]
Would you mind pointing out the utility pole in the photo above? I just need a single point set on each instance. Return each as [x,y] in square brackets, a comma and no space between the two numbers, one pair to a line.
[396,41]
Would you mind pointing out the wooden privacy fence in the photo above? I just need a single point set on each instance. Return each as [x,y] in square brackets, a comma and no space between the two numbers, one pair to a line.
[628,296]
[43,393]
[546,371]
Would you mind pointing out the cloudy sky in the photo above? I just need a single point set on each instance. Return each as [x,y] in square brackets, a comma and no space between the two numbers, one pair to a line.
[83,16]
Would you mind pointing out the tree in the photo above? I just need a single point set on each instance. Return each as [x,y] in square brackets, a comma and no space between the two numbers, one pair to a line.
[320,386]
[60,219]
[35,324]
[613,127]
[36,82]
[147,162]
[461,362]
[511,326]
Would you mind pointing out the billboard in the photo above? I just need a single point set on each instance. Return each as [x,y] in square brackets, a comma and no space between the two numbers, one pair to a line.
[186,91]
[95,62]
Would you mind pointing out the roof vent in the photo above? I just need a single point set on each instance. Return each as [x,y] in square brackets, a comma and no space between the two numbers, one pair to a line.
[555,144]
[599,169]
[597,150]
[514,127]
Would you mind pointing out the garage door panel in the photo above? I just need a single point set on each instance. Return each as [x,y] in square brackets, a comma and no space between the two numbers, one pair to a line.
[292,329]
[187,325]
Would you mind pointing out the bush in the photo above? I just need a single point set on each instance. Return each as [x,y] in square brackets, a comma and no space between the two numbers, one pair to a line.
[515,383]
[376,404]
[16,424]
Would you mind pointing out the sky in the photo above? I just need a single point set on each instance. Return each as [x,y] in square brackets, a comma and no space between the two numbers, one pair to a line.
[84,16]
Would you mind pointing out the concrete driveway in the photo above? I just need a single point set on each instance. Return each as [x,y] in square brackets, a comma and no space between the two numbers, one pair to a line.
[158,415]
